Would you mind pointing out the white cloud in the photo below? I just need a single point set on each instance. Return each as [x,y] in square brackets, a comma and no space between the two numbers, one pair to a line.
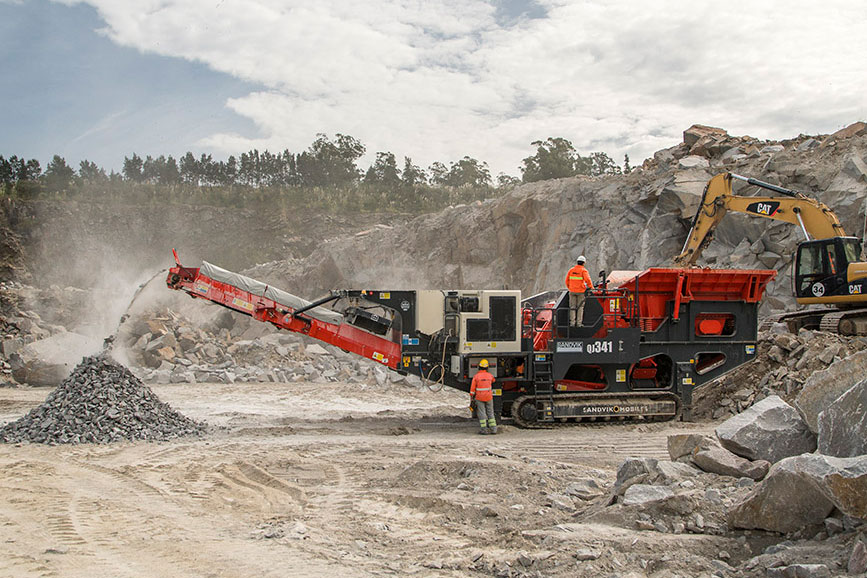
[440,79]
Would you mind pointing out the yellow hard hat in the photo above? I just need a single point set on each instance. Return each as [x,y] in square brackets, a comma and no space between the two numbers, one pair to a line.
[483,363]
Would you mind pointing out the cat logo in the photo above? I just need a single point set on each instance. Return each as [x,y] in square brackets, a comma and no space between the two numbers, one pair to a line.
[766,209]
[855,289]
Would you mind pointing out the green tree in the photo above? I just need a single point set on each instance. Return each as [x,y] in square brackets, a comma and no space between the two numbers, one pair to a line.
[89,172]
[505,181]
[132,168]
[58,175]
[439,173]
[383,171]
[188,166]
[7,174]
[555,158]
[627,168]
[602,164]
[329,162]
[468,172]
[412,175]
[23,171]
[229,171]
[208,170]
[170,173]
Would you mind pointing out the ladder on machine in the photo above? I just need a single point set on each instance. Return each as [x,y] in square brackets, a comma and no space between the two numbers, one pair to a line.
[543,380]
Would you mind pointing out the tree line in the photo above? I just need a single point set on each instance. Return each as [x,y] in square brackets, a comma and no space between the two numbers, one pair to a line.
[326,175]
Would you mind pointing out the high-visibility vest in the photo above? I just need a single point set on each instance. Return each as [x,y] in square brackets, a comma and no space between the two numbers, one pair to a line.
[578,279]
[482,386]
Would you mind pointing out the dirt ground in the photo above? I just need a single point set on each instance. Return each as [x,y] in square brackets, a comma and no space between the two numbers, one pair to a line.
[309,479]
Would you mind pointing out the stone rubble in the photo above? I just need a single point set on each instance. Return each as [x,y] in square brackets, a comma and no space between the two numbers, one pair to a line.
[100,402]
[764,470]
[169,348]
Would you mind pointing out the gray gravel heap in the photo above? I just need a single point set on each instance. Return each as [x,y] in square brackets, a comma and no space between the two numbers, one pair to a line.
[100,402]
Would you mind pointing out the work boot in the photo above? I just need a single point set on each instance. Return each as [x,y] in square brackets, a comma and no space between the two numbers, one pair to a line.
[483,431]
[492,430]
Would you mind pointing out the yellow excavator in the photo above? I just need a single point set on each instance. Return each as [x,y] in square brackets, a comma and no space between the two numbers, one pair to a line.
[827,266]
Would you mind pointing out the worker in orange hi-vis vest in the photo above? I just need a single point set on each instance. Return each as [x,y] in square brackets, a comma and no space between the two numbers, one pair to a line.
[577,281]
[481,390]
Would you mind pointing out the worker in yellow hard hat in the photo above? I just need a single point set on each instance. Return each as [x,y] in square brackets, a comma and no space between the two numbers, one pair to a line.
[482,391]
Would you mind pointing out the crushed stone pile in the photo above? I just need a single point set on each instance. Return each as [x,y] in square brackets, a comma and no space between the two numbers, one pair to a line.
[100,402]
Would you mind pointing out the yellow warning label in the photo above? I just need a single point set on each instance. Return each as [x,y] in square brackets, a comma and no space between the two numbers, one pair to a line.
[493,344]
[385,295]
[498,392]
[378,356]
[242,304]
[687,381]
[621,375]
[406,361]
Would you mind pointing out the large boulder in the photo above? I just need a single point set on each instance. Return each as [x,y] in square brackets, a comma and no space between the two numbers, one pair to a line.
[769,430]
[683,194]
[843,425]
[681,446]
[704,140]
[633,471]
[823,387]
[801,491]
[786,501]
[711,457]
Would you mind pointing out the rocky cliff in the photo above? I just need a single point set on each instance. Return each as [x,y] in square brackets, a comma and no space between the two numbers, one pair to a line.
[530,237]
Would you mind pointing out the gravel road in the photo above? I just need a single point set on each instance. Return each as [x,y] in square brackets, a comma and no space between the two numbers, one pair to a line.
[314,479]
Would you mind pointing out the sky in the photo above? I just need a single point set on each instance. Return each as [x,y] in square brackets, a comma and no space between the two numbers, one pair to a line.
[433,80]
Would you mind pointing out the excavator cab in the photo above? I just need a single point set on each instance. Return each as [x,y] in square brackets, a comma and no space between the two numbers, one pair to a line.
[826,269]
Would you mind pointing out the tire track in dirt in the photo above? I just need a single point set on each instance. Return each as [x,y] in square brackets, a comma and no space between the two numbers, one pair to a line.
[370,525]
[106,523]
[607,444]
[13,564]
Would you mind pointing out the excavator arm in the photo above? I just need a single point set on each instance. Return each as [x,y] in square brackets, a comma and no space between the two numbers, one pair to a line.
[814,218]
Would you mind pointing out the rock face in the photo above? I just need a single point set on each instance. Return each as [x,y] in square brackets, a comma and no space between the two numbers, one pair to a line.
[843,425]
[801,491]
[100,402]
[823,387]
[529,237]
[769,430]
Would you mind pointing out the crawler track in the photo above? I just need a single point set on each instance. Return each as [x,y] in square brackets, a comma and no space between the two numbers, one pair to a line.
[845,322]
[575,408]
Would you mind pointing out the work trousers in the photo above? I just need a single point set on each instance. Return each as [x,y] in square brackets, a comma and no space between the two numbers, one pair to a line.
[485,412]
[576,309]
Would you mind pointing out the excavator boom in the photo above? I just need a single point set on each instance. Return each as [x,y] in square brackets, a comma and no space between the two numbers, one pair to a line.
[814,218]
